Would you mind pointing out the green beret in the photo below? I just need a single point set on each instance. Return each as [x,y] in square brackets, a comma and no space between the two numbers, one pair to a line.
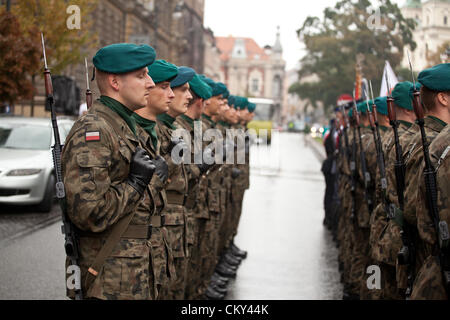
[242,103]
[401,95]
[362,107]
[123,57]
[239,102]
[222,88]
[231,100]
[200,88]
[185,74]
[436,78]
[162,70]
[381,103]
[251,107]
[216,91]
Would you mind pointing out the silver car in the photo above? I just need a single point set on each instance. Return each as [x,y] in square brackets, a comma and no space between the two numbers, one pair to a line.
[26,164]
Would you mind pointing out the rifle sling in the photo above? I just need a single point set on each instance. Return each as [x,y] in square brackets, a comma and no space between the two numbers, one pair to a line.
[117,230]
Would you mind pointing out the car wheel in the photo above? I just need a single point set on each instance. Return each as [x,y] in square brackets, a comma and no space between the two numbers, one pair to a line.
[46,204]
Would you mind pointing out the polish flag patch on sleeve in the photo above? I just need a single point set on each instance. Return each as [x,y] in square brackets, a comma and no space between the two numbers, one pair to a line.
[93,136]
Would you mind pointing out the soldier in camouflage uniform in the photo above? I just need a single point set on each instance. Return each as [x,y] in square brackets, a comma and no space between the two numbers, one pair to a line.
[176,215]
[106,174]
[385,233]
[159,100]
[201,93]
[435,95]
[209,242]
[428,284]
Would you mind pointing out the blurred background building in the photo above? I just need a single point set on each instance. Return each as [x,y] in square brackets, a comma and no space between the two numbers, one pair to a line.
[432,31]
[251,71]
[173,27]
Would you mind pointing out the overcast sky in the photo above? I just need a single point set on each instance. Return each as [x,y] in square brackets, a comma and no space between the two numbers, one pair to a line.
[258,19]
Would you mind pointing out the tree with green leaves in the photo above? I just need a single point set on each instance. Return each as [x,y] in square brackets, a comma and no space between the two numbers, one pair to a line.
[333,42]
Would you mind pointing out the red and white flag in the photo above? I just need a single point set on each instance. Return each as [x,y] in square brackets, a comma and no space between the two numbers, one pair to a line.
[392,79]
[93,136]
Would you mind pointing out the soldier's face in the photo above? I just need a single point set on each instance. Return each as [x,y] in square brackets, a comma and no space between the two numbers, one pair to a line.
[160,97]
[181,101]
[230,115]
[214,105]
[134,88]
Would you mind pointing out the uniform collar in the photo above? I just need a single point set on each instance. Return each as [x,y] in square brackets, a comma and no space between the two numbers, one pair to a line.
[167,120]
[121,110]
[149,127]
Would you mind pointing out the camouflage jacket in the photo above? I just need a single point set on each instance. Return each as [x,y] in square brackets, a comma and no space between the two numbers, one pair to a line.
[176,189]
[213,175]
[363,209]
[385,233]
[197,183]
[226,179]
[428,283]
[162,266]
[413,165]
[97,196]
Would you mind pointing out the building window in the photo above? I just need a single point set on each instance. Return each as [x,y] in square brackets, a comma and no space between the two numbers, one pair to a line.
[255,85]
[445,20]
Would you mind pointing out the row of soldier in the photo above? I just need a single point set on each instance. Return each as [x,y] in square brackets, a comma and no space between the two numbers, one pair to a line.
[387,197]
[148,226]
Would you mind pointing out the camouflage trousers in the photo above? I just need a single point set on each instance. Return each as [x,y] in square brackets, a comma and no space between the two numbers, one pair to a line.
[428,284]
[208,248]
[237,200]
[193,278]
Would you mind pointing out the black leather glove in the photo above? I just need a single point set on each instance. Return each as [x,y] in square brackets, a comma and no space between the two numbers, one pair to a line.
[235,172]
[178,141]
[142,169]
[208,153]
[247,144]
[228,146]
[162,169]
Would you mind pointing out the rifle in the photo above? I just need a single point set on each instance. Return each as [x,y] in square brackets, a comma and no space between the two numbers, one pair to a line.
[70,237]
[351,161]
[440,226]
[373,118]
[88,89]
[406,255]
[366,174]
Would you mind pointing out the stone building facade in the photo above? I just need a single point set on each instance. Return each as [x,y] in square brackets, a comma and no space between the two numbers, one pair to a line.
[173,27]
[432,31]
[251,71]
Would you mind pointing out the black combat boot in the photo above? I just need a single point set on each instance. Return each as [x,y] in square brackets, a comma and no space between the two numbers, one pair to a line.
[238,252]
[224,271]
[217,276]
[231,260]
[217,288]
[211,294]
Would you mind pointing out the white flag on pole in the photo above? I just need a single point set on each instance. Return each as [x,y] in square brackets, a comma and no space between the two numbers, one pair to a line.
[392,78]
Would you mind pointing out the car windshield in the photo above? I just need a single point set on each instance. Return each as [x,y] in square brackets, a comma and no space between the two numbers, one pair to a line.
[25,136]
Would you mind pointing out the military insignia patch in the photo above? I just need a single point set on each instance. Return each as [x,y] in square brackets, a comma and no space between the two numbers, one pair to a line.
[93,136]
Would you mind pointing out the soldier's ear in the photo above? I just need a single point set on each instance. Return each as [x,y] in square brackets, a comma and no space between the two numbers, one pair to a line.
[444,98]
[114,81]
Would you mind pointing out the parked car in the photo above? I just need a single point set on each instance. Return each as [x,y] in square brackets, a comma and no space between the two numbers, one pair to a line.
[26,163]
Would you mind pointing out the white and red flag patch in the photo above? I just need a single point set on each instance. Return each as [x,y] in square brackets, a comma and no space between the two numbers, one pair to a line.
[93,136]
